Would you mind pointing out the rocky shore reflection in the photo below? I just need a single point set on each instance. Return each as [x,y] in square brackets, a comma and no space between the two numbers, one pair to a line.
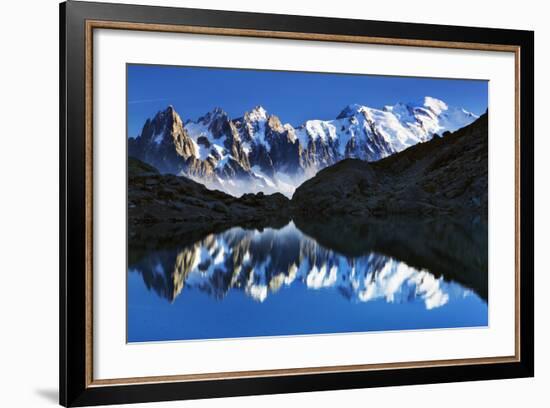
[381,275]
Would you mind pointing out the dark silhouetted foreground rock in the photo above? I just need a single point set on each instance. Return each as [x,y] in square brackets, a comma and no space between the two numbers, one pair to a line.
[159,204]
[445,175]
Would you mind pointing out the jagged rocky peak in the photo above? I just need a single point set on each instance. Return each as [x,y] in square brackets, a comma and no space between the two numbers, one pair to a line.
[154,129]
[275,124]
[252,125]
[270,156]
[175,131]
[171,117]
[215,114]
[163,142]
[256,114]
[165,127]
[258,118]
[217,122]
[350,110]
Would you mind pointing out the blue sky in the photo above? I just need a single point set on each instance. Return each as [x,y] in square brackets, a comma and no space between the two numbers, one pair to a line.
[293,96]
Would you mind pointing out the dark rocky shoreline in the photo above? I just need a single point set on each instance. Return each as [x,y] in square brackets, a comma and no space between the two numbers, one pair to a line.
[447,176]
[165,208]
[164,198]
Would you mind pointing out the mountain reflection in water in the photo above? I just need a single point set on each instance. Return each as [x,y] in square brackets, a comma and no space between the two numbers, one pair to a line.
[404,270]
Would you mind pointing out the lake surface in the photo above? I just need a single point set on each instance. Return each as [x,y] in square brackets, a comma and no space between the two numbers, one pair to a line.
[309,278]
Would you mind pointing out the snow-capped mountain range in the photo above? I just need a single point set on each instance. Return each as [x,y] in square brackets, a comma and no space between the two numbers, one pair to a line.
[260,263]
[257,152]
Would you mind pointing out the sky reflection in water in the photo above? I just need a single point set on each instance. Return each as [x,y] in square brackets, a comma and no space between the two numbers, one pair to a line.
[268,282]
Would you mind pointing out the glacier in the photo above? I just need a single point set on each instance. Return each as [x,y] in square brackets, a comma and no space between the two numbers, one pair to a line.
[259,153]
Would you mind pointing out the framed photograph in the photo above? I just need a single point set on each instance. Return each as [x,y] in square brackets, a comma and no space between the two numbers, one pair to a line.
[256,203]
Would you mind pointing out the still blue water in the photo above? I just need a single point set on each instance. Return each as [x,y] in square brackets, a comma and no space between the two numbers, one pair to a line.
[281,281]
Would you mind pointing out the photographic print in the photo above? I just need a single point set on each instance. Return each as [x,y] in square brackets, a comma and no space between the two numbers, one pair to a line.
[303,199]
[280,203]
